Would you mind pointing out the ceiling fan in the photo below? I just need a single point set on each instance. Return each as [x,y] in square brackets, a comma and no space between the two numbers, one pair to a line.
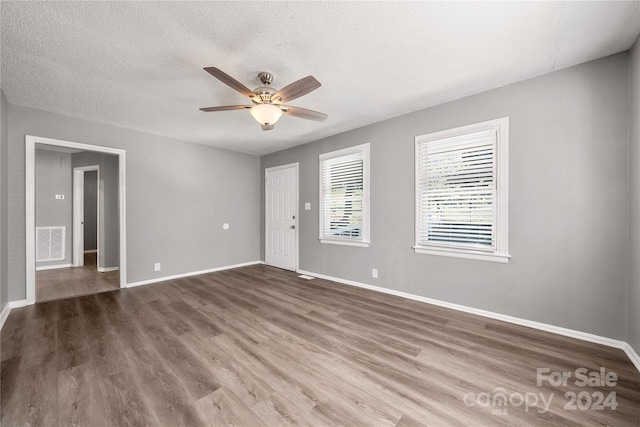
[268,102]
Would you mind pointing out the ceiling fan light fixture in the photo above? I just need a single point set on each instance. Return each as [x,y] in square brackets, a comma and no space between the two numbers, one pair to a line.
[268,102]
[266,114]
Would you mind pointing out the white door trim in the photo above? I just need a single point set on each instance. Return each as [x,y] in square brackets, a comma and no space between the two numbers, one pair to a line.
[78,215]
[30,220]
[266,204]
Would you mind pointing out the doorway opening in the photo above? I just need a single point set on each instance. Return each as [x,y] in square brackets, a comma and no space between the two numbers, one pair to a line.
[86,208]
[77,192]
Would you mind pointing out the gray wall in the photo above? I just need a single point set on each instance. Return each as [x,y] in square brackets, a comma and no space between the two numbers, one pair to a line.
[91,211]
[569,208]
[4,199]
[109,221]
[634,161]
[54,176]
[178,196]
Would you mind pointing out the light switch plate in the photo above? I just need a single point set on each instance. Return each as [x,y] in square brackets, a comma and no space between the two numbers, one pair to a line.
[59,196]
[307,206]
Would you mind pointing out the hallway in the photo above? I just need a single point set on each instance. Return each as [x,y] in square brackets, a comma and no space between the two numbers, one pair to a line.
[75,281]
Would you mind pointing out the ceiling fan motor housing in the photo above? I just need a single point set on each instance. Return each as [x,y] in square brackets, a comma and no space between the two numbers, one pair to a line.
[263,95]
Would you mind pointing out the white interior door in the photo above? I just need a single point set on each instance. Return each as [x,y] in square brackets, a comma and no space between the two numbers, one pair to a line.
[78,217]
[78,213]
[281,217]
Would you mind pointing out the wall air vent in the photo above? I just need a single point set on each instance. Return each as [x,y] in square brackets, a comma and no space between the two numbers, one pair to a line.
[50,243]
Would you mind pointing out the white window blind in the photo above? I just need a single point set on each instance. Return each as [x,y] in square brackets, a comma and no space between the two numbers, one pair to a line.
[457,192]
[343,195]
[461,190]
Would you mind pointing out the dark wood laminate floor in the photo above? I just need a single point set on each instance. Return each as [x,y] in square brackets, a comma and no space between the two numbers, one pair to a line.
[258,346]
[70,282]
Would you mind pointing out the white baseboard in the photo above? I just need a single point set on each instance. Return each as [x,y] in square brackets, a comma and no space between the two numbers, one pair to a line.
[7,309]
[105,269]
[192,273]
[4,314]
[17,304]
[91,251]
[635,359]
[53,267]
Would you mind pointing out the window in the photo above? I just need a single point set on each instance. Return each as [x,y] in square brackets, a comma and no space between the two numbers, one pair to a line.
[344,196]
[462,192]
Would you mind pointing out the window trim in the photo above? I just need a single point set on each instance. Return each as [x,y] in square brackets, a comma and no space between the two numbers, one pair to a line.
[501,253]
[366,183]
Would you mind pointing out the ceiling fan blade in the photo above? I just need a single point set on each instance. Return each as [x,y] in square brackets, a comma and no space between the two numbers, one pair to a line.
[303,113]
[226,108]
[296,90]
[267,127]
[229,81]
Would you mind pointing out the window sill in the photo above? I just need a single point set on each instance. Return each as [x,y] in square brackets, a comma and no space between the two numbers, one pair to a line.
[459,253]
[360,244]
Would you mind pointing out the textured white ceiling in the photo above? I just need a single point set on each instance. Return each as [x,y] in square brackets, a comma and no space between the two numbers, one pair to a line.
[139,64]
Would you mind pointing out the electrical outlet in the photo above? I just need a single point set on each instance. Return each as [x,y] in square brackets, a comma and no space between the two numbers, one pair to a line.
[156,266]
[374,273]
[59,196]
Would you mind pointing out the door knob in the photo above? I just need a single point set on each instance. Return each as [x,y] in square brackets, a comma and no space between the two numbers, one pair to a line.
[293,227]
